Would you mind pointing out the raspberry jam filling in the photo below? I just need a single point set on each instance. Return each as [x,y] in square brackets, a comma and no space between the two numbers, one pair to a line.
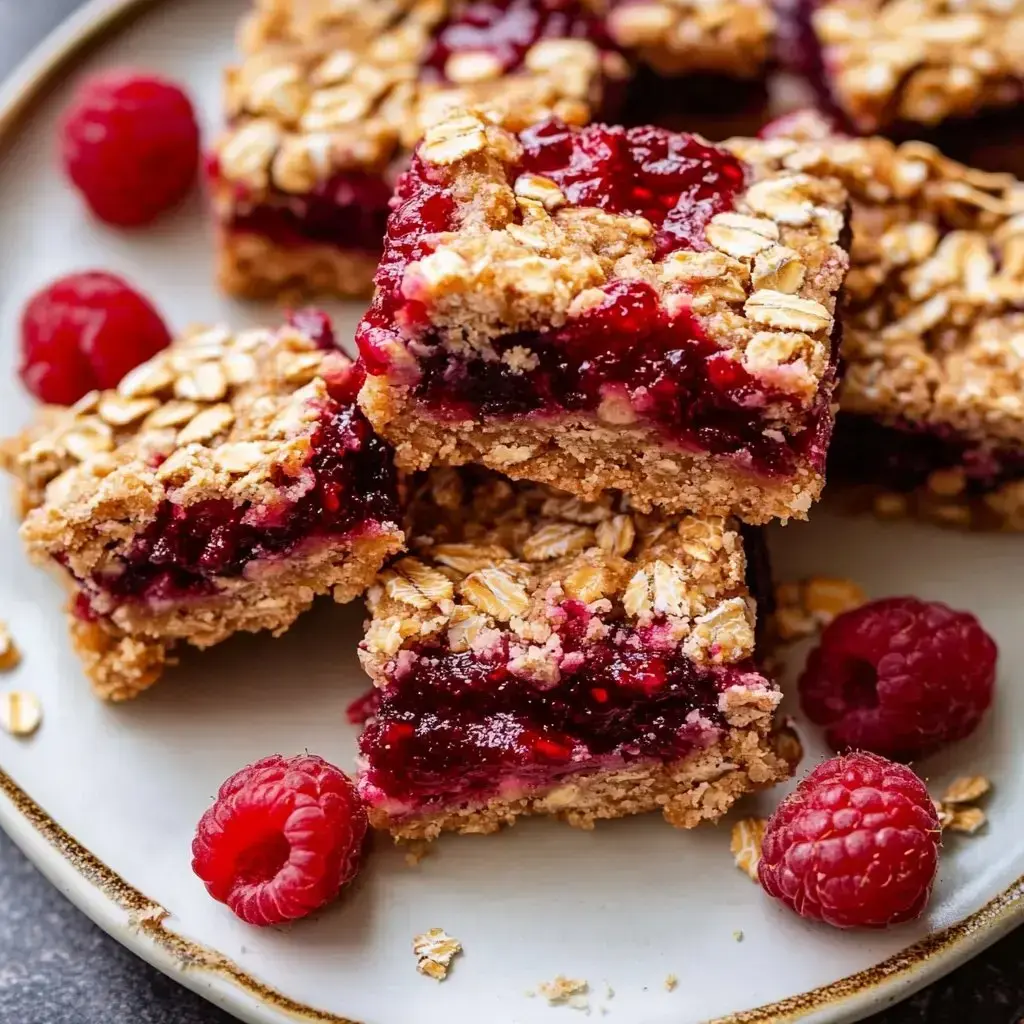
[348,211]
[455,727]
[901,457]
[506,29]
[346,489]
[627,358]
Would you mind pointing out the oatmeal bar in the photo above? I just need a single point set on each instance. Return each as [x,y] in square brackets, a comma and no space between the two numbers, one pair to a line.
[328,98]
[330,95]
[222,487]
[538,655]
[908,65]
[608,308]
[932,403]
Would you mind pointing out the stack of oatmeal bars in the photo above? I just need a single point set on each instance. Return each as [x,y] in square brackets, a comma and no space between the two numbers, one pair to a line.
[597,360]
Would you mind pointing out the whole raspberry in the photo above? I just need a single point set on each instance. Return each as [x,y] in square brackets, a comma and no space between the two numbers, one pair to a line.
[281,839]
[83,332]
[901,677]
[130,143]
[856,845]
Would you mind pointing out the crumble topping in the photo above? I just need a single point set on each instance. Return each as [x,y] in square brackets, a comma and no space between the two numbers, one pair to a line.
[490,556]
[337,87]
[673,36]
[20,712]
[10,656]
[521,258]
[934,331]
[436,951]
[745,844]
[921,61]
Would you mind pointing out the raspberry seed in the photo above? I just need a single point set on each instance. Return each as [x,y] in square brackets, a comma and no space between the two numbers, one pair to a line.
[281,839]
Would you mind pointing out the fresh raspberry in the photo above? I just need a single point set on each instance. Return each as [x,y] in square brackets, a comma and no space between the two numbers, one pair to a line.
[130,143]
[86,331]
[901,677]
[282,837]
[856,845]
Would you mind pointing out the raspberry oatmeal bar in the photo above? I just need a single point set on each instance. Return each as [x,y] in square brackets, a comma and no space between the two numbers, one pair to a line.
[932,414]
[538,655]
[331,94]
[608,308]
[220,488]
[909,65]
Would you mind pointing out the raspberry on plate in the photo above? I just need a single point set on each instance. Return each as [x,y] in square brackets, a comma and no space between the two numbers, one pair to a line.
[901,677]
[856,845]
[83,333]
[130,143]
[281,839]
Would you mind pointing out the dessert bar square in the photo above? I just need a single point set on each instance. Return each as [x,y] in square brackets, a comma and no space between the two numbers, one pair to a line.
[909,65]
[932,401]
[222,487]
[329,97]
[538,655]
[602,307]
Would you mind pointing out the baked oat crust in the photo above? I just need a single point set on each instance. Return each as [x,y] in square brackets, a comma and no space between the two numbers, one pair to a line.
[491,559]
[688,792]
[920,62]
[522,259]
[254,267]
[217,416]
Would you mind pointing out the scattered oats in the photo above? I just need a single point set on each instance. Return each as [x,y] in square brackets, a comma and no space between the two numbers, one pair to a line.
[565,991]
[825,597]
[9,653]
[966,790]
[609,992]
[944,813]
[20,712]
[671,981]
[967,820]
[738,935]
[435,950]
[745,844]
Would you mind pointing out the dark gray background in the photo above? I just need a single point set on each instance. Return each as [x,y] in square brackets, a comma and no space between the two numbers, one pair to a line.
[57,967]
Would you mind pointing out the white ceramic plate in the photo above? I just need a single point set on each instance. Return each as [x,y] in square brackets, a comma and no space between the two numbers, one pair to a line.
[104,799]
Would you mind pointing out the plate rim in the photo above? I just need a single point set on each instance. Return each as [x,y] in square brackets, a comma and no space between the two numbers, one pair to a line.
[139,923]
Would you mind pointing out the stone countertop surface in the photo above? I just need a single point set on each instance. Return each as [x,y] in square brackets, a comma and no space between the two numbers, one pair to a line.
[56,967]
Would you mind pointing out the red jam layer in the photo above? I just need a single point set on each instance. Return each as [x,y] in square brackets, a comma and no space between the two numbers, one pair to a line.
[349,212]
[901,457]
[347,488]
[451,728]
[506,29]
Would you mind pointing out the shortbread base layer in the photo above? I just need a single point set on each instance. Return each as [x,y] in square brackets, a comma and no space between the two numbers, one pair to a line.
[251,266]
[127,654]
[689,791]
[576,455]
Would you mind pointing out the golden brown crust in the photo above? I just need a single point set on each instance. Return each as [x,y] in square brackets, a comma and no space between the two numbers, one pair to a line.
[690,791]
[252,266]
[905,62]
[675,37]
[218,415]
[573,454]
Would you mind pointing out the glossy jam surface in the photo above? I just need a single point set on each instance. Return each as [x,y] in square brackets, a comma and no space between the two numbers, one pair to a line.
[349,211]
[901,458]
[457,726]
[347,487]
[506,29]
